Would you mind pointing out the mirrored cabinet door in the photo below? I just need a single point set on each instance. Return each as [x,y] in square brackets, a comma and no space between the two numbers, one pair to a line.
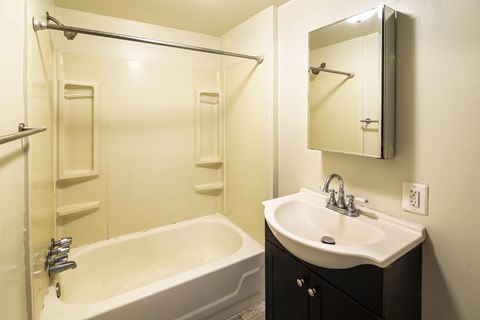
[352,85]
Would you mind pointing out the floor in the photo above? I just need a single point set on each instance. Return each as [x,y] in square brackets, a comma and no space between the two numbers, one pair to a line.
[257,312]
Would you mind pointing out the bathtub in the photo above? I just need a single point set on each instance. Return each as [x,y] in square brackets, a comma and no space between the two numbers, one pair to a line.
[206,268]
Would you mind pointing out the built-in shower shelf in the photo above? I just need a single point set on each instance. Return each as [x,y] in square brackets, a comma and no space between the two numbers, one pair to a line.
[208,187]
[209,127]
[77,174]
[77,208]
[209,161]
[77,141]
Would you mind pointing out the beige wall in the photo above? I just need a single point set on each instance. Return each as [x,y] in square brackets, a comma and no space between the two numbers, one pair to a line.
[436,136]
[249,99]
[40,99]
[13,297]
[26,224]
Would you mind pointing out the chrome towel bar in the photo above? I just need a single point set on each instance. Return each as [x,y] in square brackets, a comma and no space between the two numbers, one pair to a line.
[23,132]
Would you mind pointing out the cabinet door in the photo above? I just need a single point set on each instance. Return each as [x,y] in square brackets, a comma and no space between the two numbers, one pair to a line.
[314,294]
[336,305]
[296,293]
[367,315]
[289,301]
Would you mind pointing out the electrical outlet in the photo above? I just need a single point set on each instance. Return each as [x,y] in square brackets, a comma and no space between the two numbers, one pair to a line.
[415,197]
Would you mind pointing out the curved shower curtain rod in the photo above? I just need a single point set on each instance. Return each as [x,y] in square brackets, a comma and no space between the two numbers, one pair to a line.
[71,32]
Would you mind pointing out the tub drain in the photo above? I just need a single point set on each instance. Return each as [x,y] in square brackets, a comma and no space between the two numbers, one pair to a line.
[58,289]
[328,240]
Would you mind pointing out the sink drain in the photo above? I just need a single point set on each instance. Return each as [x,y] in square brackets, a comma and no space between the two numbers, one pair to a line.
[328,240]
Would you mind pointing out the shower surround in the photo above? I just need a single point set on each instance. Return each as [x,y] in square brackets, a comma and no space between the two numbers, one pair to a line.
[133,129]
[155,107]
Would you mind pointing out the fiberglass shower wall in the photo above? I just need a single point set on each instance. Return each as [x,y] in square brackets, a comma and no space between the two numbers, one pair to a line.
[139,130]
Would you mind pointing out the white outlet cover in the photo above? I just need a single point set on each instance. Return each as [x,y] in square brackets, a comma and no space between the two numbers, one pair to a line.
[423,197]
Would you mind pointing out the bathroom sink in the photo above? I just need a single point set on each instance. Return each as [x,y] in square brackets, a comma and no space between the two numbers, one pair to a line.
[325,238]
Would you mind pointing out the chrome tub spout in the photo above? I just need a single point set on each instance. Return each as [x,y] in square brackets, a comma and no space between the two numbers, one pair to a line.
[60,267]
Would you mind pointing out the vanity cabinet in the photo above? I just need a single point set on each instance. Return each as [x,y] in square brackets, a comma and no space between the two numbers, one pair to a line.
[297,290]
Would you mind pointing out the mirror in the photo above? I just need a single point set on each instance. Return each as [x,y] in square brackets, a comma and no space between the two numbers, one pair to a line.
[352,85]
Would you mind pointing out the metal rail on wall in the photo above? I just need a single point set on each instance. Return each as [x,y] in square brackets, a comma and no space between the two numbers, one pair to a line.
[23,132]
[321,68]
[71,32]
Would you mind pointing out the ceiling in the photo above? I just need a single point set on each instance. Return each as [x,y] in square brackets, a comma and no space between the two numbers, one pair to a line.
[214,17]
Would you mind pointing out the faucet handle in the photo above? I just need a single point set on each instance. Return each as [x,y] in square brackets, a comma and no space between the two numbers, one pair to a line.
[64,241]
[58,250]
[50,261]
[332,200]
[357,199]
[351,203]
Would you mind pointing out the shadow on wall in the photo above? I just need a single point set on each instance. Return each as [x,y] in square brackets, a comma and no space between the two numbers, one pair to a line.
[440,303]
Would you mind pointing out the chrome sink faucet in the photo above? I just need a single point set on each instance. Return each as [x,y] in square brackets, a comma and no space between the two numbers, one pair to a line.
[340,205]
[341,193]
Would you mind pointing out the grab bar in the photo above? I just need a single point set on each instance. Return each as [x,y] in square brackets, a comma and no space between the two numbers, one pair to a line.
[23,132]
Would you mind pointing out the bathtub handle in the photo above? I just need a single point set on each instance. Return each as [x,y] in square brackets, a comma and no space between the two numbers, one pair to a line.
[65,241]
[55,260]
[59,250]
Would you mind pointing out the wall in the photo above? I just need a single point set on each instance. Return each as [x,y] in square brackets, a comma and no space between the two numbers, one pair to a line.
[40,100]
[13,299]
[249,121]
[147,128]
[436,128]
[26,225]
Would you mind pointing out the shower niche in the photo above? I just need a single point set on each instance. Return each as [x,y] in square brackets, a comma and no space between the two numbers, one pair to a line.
[77,130]
[209,136]
[77,146]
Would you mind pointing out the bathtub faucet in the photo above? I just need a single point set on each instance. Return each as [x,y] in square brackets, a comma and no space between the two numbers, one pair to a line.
[60,267]
[56,260]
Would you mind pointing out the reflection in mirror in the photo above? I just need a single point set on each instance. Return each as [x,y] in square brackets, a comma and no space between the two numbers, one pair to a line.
[352,88]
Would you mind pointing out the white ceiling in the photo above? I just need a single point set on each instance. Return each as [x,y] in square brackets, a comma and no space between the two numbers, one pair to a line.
[214,17]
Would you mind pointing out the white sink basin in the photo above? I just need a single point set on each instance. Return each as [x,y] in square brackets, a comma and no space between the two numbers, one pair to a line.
[301,220]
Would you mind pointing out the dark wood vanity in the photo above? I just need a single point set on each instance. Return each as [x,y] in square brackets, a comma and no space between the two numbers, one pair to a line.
[297,290]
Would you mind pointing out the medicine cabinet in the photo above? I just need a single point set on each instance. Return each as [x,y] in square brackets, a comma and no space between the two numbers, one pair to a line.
[352,85]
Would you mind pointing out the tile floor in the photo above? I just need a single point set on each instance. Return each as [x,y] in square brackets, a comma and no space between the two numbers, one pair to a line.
[257,312]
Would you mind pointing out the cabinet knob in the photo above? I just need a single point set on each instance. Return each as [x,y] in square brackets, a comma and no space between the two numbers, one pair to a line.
[312,292]
[300,282]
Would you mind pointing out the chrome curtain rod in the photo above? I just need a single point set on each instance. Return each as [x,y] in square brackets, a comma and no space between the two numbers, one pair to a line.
[23,132]
[317,70]
[70,33]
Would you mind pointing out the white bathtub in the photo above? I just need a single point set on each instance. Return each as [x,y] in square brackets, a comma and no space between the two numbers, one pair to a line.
[205,268]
